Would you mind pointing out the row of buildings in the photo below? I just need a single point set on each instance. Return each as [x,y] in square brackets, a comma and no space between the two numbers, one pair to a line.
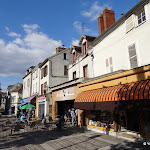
[106,78]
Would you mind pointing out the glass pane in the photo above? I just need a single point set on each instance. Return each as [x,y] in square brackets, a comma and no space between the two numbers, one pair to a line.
[139,16]
[139,21]
[144,18]
[143,13]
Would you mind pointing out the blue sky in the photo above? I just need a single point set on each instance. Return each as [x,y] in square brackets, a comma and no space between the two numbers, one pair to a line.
[30,30]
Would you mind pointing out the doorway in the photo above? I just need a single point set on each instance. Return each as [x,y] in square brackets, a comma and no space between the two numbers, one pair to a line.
[64,106]
[146,123]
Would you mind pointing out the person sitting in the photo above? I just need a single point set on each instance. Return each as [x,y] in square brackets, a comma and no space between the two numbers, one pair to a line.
[60,122]
[22,118]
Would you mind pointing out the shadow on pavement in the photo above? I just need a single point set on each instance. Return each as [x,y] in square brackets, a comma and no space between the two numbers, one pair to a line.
[140,145]
[37,137]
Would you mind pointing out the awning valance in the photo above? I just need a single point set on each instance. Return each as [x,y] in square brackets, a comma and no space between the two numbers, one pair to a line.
[130,91]
[29,99]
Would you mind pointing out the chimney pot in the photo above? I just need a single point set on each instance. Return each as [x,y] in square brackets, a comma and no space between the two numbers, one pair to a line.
[105,20]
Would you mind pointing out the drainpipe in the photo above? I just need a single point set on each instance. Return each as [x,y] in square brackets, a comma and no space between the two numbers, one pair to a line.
[92,57]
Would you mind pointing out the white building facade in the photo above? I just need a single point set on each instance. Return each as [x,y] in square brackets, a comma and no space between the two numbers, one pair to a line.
[125,45]
[82,59]
[27,83]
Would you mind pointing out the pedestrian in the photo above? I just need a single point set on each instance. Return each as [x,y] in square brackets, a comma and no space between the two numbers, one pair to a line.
[18,114]
[22,118]
[72,116]
[76,116]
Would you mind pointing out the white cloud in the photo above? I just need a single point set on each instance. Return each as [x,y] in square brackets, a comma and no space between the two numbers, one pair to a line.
[18,55]
[13,34]
[80,27]
[19,42]
[30,28]
[75,42]
[94,11]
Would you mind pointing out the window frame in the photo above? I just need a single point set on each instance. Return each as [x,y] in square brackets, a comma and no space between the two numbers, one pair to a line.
[74,75]
[140,16]
[65,56]
[85,71]
[65,70]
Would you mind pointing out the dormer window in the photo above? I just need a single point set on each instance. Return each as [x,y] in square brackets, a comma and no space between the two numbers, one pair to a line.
[84,48]
[73,56]
[141,17]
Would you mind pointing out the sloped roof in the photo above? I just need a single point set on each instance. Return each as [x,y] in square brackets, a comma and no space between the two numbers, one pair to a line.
[88,38]
[15,88]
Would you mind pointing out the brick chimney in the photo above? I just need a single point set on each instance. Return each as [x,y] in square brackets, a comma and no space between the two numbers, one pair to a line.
[106,20]
[59,49]
[101,24]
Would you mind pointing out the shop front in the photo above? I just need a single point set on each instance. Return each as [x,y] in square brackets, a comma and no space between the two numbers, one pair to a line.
[124,107]
[63,100]
[42,107]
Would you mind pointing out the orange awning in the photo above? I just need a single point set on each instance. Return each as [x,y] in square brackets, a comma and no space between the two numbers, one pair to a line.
[131,91]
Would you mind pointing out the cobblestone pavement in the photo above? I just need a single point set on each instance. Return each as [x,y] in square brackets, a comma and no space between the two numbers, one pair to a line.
[65,139]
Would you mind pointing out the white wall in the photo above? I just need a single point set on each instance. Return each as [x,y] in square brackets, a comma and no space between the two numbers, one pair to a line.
[27,88]
[16,101]
[78,66]
[116,44]
[44,79]
[36,81]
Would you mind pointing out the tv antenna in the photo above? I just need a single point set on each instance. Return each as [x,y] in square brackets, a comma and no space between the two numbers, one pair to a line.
[82,27]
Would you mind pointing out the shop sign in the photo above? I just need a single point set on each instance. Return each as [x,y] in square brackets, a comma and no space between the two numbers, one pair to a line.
[41,100]
[66,94]
[42,97]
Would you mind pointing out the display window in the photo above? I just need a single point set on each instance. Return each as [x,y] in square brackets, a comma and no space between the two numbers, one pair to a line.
[101,118]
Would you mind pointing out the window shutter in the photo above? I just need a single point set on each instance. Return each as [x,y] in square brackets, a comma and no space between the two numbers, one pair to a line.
[110,60]
[133,56]
[130,23]
[41,73]
[65,70]
[106,62]
[45,71]
[41,89]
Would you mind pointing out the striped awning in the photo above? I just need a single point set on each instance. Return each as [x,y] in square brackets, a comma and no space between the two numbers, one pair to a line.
[29,99]
[131,91]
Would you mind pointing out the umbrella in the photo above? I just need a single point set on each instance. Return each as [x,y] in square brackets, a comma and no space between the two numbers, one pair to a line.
[28,106]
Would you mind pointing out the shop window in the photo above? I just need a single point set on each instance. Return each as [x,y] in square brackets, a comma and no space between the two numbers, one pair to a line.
[74,75]
[141,17]
[101,118]
[65,70]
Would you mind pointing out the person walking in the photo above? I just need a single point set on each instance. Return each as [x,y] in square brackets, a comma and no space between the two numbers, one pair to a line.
[72,116]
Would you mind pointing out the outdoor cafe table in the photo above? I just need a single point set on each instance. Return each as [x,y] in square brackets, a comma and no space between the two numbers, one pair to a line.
[31,122]
[11,126]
